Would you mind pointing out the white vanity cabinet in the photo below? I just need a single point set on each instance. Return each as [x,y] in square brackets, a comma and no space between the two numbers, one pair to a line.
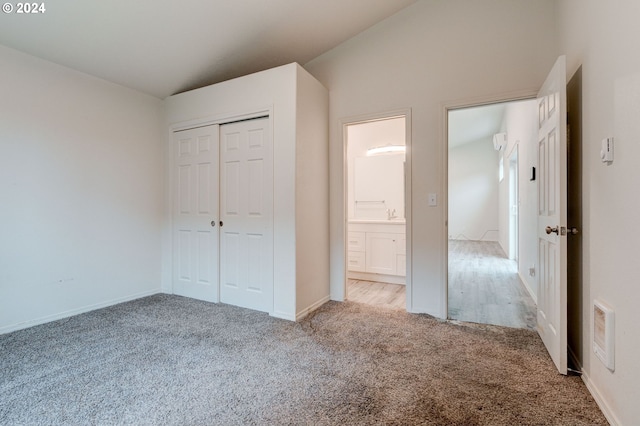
[401,255]
[377,251]
[356,242]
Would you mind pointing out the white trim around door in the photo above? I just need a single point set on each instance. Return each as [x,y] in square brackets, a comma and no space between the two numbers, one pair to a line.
[445,108]
[201,267]
[338,290]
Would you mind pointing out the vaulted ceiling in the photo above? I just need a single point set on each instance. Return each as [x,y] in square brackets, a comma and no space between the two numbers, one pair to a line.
[163,47]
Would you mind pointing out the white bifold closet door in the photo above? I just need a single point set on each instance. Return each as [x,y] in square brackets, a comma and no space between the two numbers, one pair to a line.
[246,214]
[195,213]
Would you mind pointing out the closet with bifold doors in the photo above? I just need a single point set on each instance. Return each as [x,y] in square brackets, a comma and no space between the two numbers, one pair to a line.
[249,193]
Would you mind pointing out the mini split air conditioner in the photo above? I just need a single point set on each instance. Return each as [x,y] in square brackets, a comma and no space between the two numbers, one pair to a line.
[499,141]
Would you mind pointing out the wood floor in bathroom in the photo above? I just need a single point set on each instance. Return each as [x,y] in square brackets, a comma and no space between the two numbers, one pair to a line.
[377,294]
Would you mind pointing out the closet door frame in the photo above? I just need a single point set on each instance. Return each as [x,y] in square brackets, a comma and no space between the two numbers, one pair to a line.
[170,160]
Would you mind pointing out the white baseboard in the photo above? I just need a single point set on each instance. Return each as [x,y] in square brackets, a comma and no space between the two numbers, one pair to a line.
[593,390]
[529,290]
[382,278]
[72,312]
[303,313]
[604,407]
[282,315]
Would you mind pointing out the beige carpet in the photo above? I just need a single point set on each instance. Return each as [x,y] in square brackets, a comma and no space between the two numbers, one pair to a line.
[171,360]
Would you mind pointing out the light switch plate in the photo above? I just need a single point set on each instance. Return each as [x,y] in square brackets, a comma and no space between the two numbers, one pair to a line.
[433,199]
[606,152]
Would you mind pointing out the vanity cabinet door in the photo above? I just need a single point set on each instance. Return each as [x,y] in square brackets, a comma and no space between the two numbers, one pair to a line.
[381,253]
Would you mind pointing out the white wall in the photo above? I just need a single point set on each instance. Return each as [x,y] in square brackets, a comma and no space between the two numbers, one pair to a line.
[81,191]
[312,193]
[473,191]
[521,128]
[378,186]
[431,54]
[603,37]
[372,134]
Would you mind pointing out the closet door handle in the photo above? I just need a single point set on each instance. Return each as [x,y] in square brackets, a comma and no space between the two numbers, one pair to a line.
[213,223]
[221,224]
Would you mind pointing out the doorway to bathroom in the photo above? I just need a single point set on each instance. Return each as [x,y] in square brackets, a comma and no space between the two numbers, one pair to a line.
[376,237]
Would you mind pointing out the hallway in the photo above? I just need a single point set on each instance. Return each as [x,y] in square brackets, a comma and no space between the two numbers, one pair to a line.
[484,286]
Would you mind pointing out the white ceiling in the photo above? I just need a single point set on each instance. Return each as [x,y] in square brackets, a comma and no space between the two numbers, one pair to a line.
[163,47]
[473,124]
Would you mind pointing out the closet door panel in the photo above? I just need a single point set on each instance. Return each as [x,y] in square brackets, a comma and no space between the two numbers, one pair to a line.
[195,213]
[246,265]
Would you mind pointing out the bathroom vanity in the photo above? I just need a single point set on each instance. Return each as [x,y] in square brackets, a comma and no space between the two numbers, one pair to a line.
[377,250]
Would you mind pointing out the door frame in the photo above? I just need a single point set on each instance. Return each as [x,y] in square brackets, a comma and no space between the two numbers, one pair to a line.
[343,124]
[577,313]
[219,119]
[446,107]
[514,196]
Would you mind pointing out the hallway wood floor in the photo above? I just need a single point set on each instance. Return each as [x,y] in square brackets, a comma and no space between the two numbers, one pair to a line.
[484,286]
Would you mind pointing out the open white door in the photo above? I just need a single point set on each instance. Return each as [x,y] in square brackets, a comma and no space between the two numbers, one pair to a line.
[552,214]
[195,213]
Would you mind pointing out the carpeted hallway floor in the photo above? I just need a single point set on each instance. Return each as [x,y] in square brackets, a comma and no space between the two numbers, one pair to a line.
[171,360]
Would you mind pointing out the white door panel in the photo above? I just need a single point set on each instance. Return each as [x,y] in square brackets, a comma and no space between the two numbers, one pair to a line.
[552,215]
[246,211]
[195,241]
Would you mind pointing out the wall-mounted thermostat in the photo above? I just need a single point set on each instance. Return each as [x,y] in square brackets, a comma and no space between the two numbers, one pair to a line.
[606,152]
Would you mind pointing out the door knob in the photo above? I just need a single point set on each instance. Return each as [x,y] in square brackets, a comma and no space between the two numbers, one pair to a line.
[213,223]
[573,231]
[549,230]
